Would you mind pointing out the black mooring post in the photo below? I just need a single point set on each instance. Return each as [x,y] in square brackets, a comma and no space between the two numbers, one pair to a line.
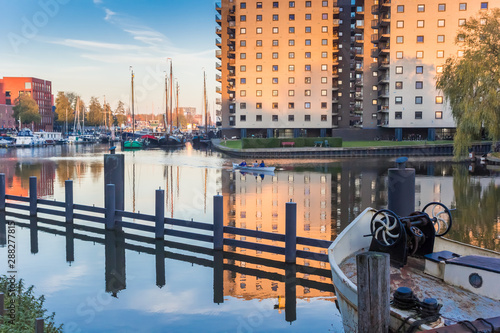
[33,195]
[2,192]
[291,233]
[218,222]
[290,293]
[218,277]
[401,188]
[160,214]
[160,262]
[68,193]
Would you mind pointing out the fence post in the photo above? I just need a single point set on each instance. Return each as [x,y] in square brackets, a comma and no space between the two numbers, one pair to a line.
[33,196]
[2,192]
[39,325]
[68,187]
[291,233]
[218,222]
[373,292]
[160,214]
[109,202]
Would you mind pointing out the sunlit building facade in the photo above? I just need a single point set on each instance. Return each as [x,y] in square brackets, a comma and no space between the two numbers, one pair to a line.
[334,67]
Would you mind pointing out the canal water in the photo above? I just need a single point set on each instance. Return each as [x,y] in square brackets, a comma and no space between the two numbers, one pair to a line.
[106,283]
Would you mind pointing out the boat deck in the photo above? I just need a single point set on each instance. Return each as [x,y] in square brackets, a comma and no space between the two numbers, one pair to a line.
[458,304]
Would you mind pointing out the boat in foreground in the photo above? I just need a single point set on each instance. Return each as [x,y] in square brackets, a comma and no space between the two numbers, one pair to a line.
[249,168]
[462,278]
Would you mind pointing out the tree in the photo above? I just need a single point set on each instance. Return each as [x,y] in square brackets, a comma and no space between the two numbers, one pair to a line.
[26,109]
[120,117]
[471,83]
[64,110]
[95,112]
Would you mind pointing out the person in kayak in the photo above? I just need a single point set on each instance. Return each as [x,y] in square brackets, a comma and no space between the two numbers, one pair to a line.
[244,163]
[262,165]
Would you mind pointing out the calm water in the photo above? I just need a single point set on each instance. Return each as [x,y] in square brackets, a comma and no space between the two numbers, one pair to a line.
[101,282]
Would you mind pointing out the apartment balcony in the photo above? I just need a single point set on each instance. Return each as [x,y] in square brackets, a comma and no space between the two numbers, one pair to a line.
[218,54]
[218,42]
[359,15]
[384,49]
[335,74]
[335,36]
[335,87]
[358,96]
[218,19]
[375,9]
[383,93]
[218,31]
[218,101]
[232,10]
[218,66]
[358,52]
[358,124]
[335,11]
[383,79]
[359,29]
[218,90]
[335,49]
[374,38]
[335,100]
[384,63]
[230,75]
[218,7]
[383,122]
[358,82]
[383,108]
[358,39]
[336,23]
[218,78]
[335,112]
[385,21]
[385,4]
[231,54]
[374,24]
[232,107]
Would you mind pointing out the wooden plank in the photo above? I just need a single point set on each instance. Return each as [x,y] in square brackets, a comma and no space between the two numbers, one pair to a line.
[189,235]
[90,208]
[51,211]
[137,226]
[312,255]
[479,325]
[16,206]
[314,242]
[254,233]
[254,246]
[137,216]
[51,203]
[189,224]
[89,218]
[17,198]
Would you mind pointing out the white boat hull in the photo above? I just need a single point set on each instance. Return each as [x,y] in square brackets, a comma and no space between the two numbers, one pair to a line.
[253,169]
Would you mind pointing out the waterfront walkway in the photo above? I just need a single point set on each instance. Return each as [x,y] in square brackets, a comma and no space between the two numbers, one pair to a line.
[418,149]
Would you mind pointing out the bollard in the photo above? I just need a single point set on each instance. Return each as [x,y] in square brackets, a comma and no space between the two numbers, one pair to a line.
[401,188]
[39,325]
[160,214]
[290,292]
[373,292]
[218,222]
[68,193]
[109,202]
[34,234]
[218,277]
[291,233]
[70,243]
[114,173]
[2,304]
[33,196]
[2,192]
[160,262]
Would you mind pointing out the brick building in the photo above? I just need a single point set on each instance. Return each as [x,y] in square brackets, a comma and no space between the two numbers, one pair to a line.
[6,118]
[40,90]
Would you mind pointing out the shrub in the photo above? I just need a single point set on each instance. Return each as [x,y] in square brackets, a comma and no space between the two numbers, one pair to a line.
[248,143]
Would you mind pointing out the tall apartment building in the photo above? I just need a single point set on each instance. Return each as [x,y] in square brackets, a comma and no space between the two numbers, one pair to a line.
[354,68]
[40,90]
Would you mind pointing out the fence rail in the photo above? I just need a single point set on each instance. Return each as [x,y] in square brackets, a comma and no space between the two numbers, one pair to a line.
[112,218]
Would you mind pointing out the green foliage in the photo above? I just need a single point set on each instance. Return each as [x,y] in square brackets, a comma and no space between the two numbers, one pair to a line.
[95,115]
[120,117]
[248,143]
[28,308]
[26,109]
[471,84]
[64,109]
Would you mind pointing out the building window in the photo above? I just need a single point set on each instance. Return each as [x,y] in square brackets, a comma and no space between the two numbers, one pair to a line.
[291,30]
[291,117]
[243,93]
[462,6]
[440,54]
[308,54]
[438,115]
[399,39]
[440,38]
[259,30]
[324,29]
[291,17]
[291,42]
[420,39]
[275,30]
[243,55]
[259,4]
[420,23]
[275,105]
[307,80]
[419,99]
[275,55]
[275,4]
[291,55]
[398,100]
[307,68]
[275,17]
[243,5]
[324,16]
[243,31]
[243,80]
[399,69]
[307,105]
[374,102]
[243,106]
[460,53]
[291,4]
[275,42]
[258,80]
[439,69]
[399,84]
[275,80]
[484,5]
[258,68]
[324,54]
[307,92]
[399,55]
[324,105]
[400,24]
[419,84]
[461,22]
[307,117]
[258,55]
[419,69]
[291,92]
[243,43]
[324,80]
[324,3]
[439,99]
[258,93]
[243,117]
[308,16]
[323,117]
[243,18]
[258,18]
[441,23]
[441,7]
[258,117]
[291,105]
[308,42]
[325,67]
[243,68]
[420,54]
[401,8]
[418,114]
[291,68]
[275,117]
[324,92]
[420,8]
[398,115]
[275,68]
[258,106]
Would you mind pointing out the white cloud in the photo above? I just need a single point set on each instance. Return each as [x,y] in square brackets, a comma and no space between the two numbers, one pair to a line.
[97,2]
[95,46]
[109,14]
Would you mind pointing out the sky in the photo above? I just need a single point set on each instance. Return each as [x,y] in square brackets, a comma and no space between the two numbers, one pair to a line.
[89,47]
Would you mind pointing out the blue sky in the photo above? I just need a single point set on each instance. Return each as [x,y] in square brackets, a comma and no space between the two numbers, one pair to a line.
[88,46]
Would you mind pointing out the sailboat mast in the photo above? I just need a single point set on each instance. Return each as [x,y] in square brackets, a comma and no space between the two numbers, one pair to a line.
[171,94]
[166,105]
[205,101]
[177,103]
[133,114]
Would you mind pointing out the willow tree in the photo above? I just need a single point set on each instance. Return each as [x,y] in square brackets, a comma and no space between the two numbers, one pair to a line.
[471,83]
